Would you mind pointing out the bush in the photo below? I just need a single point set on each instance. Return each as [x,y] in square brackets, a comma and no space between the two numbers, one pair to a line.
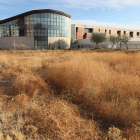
[59,46]
[49,46]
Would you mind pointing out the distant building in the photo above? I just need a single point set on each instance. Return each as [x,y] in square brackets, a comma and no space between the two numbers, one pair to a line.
[35,30]
[82,33]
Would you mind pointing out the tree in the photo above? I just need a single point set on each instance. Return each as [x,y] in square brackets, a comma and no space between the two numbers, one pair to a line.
[98,38]
[72,40]
[114,39]
[125,39]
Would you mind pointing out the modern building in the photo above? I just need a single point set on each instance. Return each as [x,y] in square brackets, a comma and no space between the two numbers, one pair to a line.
[36,30]
[82,33]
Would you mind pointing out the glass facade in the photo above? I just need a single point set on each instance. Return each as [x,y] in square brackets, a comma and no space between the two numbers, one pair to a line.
[40,26]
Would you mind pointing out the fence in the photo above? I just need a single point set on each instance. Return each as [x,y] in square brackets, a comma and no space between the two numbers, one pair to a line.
[131,45]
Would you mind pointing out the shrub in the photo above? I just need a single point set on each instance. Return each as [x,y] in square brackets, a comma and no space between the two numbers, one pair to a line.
[49,46]
[59,46]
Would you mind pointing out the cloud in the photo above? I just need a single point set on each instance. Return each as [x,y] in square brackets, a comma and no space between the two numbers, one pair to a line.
[9,2]
[87,4]
[80,4]
[107,24]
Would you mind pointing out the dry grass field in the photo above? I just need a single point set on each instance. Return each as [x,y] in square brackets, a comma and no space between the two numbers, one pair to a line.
[69,95]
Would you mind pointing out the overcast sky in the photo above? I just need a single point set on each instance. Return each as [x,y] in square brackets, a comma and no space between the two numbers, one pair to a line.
[110,13]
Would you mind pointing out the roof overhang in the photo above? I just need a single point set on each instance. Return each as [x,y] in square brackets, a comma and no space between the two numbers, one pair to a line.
[34,12]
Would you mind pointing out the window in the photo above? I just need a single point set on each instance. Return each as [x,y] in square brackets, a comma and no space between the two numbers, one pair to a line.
[131,34]
[88,30]
[118,33]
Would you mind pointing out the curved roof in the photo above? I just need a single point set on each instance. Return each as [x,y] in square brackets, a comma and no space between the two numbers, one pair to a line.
[35,12]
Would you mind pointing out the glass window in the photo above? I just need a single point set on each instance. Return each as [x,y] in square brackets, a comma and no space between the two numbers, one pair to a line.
[42,34]
[32,18]
[42,43]
[39,15]
[46,34]
[49,15]
[46,14]
[35,34]
[46,19]
[42,19]
[42,15]
[52,16]
[58,23]
[58,16]
[45,43]
[55,16]
[36,18]
[86,30]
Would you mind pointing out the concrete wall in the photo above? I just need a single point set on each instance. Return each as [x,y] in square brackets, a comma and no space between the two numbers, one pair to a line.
[73,30]
[20,43]
[25,43]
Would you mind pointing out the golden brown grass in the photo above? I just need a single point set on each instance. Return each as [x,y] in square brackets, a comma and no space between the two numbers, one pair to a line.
[70,95]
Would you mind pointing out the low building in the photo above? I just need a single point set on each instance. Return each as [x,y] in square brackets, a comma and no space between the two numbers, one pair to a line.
[82,33]
[36,30]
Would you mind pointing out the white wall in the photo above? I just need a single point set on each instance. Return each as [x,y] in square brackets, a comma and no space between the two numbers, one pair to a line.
[73,30]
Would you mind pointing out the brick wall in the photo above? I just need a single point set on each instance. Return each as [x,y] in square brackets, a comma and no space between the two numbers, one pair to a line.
[80,32]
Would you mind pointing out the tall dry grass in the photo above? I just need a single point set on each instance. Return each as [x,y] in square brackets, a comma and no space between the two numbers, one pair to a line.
[70,95]
[110,92]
